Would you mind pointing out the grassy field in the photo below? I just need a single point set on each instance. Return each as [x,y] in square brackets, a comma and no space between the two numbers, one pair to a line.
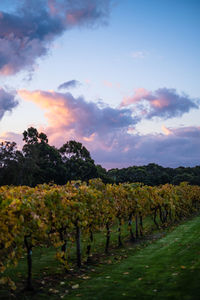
[164,268]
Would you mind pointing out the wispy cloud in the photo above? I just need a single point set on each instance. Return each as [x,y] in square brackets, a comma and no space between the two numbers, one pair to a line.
[139,54]
[113,85]
[28,33]
[69,84]
[108,83]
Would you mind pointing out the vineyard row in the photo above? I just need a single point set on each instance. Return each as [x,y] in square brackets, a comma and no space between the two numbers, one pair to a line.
[58,216]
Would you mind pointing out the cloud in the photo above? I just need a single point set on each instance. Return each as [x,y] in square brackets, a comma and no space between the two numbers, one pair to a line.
[77,118]
[139,54]
[139,95]
[7,102]
[12,137]
[69,84]
[109,133]
[166,130]
[113,85]
[108,84]
[180,148]
[163,103]
[28,33]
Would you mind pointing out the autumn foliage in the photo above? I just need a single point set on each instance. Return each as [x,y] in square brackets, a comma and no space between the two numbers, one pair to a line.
[58,216]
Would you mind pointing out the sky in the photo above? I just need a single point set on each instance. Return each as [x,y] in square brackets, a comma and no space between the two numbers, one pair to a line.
[119,76]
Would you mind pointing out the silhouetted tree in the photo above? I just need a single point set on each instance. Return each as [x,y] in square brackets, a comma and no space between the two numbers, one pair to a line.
[78,161]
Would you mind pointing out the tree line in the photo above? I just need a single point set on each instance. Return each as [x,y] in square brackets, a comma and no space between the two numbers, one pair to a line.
[154,175]
[38,162]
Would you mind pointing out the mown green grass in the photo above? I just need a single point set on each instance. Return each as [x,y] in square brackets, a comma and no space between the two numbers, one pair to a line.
[168,268]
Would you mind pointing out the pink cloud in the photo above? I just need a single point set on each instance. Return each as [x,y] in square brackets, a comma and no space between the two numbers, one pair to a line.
[163,103]
[108,84]
[53,7]
[27,33]
[180,148]
[139,54]
[140,94]
[75,118]
[109,133]
[12,137]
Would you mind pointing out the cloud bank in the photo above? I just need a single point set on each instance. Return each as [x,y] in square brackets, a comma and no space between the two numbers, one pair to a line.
[27,34]
[180,148]
[163,103]
[7,102]
[109,133]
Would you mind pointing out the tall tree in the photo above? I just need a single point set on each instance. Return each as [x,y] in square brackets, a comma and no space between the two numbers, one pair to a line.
[78,161]
[43,162]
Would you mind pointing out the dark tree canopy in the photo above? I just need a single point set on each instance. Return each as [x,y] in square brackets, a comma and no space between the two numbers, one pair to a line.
[10,163]
[78,161]
[75,150]
[153,174]
[31,136]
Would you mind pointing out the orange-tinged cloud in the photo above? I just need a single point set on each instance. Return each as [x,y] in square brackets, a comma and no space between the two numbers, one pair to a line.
[57,113]
[108,133]
[166,130]
[90,138]
[75,118]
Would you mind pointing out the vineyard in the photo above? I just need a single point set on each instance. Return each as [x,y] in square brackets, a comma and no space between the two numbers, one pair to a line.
[62,216]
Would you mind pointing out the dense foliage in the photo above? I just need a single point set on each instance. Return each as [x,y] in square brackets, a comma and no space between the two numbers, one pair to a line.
[59,216]
[153,174]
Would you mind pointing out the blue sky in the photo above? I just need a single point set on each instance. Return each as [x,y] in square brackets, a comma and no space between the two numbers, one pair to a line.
[142,54]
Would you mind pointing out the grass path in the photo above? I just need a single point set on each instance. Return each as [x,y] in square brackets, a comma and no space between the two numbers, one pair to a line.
[166,269]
